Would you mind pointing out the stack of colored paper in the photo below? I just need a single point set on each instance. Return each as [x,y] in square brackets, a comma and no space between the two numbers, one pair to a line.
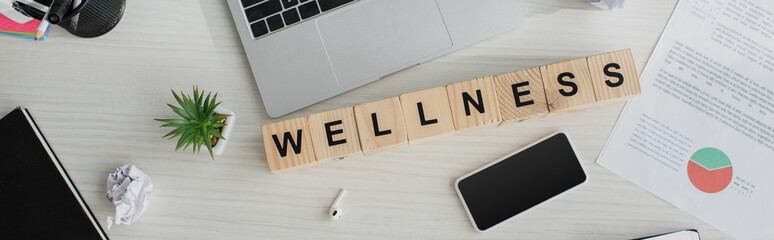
[25,30]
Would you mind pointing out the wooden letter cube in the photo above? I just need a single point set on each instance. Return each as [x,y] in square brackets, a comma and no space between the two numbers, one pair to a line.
[426,113]
[380,125]
[614,75]
[473,103]
[568,85]
[521,95]
[288,144]
[334,134]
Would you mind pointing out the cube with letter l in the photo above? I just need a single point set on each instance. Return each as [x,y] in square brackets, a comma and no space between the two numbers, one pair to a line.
[427,113]
[380,124]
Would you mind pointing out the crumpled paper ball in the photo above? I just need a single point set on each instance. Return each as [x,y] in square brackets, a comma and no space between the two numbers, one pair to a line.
[129,189]
[607,4]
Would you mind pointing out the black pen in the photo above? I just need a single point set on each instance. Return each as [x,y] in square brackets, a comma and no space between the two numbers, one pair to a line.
[57,11]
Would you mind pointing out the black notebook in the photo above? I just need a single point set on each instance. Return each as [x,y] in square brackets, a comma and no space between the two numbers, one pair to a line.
[37,198]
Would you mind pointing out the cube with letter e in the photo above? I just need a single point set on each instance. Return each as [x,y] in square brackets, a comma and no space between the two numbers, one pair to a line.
[521,95]
[334,134]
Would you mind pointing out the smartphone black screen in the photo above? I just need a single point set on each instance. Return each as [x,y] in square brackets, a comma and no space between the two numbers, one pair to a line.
[521,181]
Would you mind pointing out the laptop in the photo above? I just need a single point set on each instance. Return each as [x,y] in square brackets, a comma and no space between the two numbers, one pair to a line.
[305,51]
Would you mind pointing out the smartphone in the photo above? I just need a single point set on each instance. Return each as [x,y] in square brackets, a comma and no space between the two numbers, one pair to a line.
[689,234]
[519,181]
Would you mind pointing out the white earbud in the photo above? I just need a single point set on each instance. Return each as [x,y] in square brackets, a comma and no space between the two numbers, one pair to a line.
[335,211]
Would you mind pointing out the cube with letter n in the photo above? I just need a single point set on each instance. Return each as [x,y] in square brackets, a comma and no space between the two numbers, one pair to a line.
[473,103]
[288,144]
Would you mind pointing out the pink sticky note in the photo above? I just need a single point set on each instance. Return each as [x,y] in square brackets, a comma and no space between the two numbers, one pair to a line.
[8,25]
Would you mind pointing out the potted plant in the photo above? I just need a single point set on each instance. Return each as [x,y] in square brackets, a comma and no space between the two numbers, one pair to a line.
[204,123]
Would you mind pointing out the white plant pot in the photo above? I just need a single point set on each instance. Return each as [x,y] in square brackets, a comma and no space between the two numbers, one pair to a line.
[219,147]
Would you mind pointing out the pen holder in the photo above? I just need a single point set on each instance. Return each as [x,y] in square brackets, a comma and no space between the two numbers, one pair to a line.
[83,18]
[96,18]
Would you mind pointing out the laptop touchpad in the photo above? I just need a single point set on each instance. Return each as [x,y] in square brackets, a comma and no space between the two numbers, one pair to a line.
[376,38]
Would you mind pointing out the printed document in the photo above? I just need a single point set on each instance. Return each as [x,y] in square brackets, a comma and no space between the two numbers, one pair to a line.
[701,135]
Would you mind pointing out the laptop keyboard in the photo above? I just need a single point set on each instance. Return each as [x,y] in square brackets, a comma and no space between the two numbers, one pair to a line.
[269,16]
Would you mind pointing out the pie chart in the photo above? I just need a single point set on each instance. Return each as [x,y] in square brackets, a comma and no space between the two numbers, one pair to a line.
[710,170]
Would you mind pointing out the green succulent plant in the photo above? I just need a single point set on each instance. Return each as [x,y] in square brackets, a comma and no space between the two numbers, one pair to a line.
[199,124]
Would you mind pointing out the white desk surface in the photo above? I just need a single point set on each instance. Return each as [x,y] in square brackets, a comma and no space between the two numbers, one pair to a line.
[95,100]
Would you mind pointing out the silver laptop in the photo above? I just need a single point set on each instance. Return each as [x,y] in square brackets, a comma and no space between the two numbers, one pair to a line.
[305,51]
